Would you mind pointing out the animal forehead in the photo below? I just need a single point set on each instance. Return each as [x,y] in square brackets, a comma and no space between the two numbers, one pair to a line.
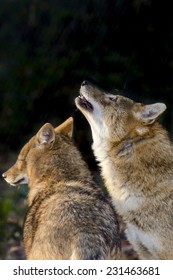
[126,99]
[26,148]
[121,99]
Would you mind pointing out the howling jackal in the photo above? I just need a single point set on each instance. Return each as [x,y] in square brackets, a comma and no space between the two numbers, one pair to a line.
[136,160]
[68,215]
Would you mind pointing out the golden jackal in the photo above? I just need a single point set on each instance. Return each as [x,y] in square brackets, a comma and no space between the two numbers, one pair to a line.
[136,159]
[68,215]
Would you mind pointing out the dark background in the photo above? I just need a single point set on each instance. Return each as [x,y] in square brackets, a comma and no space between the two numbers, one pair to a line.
[47,48]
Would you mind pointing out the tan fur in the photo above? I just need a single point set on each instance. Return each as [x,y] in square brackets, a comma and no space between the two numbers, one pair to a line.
[68,215]
[136,159]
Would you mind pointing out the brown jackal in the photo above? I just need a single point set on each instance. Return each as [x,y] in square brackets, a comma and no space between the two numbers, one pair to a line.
[136,159]
[68,215]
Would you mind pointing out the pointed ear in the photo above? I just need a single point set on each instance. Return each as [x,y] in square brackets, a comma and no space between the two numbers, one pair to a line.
[66,127]
[150,113]
[46,134]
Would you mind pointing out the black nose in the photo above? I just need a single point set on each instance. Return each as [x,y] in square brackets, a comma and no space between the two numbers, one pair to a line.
[84,83]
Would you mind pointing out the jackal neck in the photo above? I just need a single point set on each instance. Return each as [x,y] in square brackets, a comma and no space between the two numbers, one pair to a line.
[136,160]
[126,146]
[135,139]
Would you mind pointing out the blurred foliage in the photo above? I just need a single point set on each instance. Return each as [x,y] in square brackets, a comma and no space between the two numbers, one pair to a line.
[11,220]
[49,46]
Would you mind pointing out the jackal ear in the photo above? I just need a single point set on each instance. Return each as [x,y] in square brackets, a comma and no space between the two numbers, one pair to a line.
[150,113]
[46,134]
[66,127]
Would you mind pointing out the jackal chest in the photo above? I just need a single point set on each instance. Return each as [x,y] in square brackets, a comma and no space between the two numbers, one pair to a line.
[124,197]
[124,200]
[145,243]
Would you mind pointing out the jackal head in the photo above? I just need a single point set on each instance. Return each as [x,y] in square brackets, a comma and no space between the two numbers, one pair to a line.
[115,116]
[19,173]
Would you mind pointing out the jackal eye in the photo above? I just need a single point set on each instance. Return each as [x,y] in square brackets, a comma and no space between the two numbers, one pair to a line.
[113,98]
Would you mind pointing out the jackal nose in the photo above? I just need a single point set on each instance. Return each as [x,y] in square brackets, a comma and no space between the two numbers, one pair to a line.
[84,83]
[4,176]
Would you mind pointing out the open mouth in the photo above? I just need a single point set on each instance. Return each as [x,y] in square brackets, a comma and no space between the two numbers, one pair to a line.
[83,102]
[18,182]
